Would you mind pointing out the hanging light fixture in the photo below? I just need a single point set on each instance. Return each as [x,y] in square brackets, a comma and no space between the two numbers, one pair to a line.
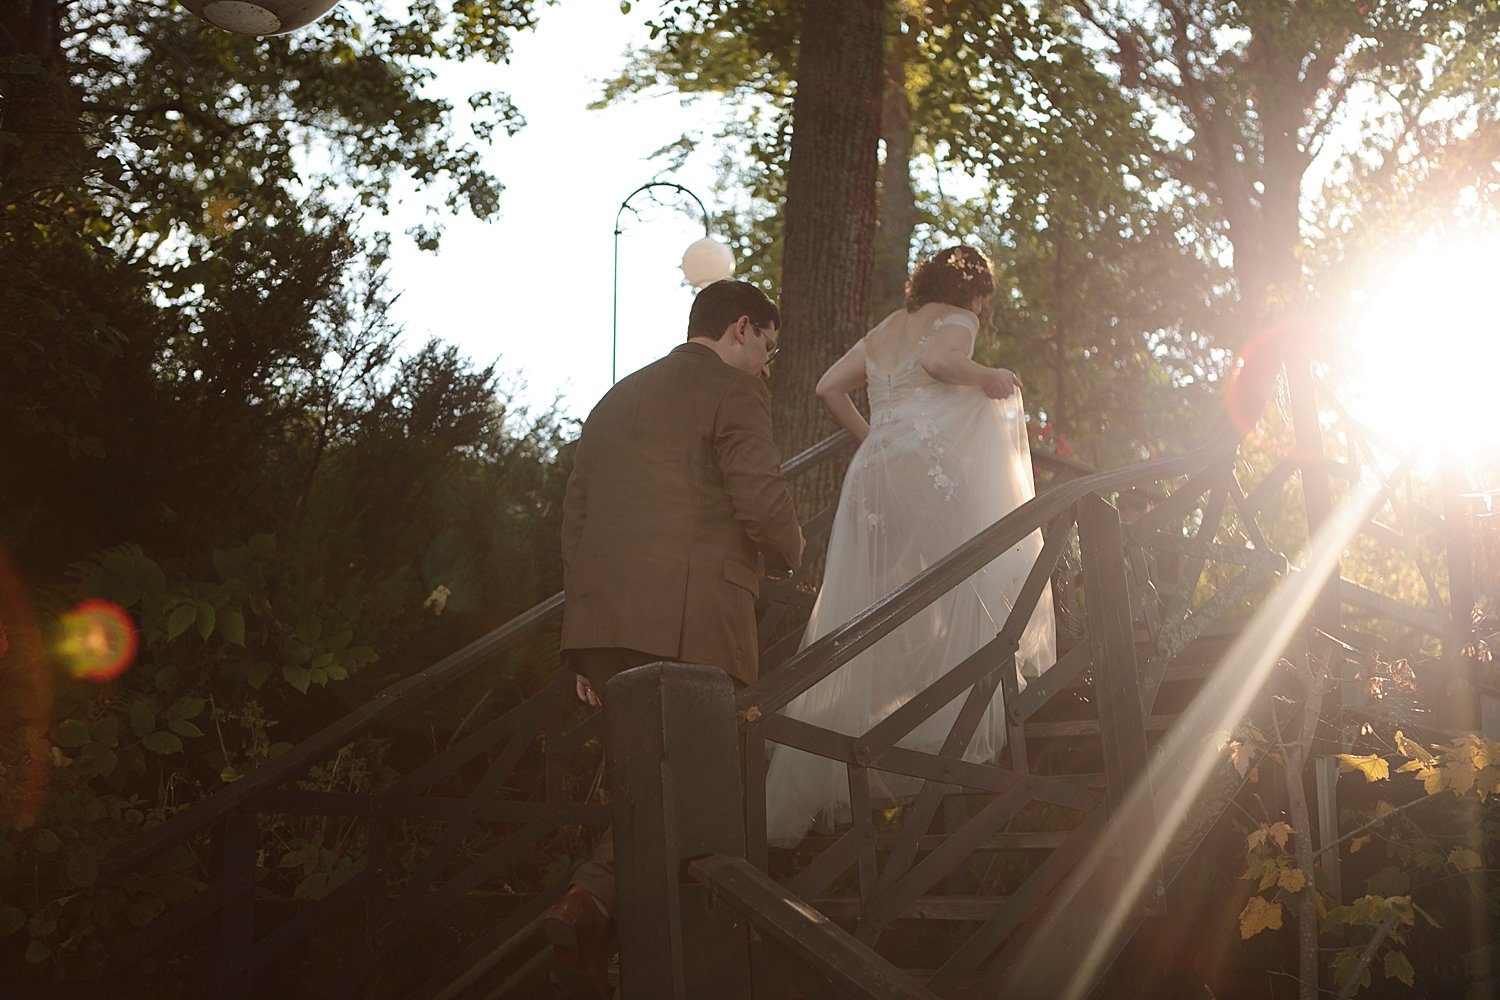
[263,17]
[707,260]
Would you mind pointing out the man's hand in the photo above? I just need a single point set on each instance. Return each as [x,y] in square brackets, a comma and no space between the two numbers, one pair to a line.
[585,690]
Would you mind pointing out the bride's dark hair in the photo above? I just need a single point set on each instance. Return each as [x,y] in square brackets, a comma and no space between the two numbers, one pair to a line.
[957,276]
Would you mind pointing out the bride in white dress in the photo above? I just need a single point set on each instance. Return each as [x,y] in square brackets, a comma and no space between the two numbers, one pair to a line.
[944,456]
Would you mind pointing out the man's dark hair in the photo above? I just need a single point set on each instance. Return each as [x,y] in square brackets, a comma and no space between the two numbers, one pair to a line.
[957,276]
[723,302]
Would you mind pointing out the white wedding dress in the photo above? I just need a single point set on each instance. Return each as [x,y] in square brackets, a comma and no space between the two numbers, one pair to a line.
[941,463]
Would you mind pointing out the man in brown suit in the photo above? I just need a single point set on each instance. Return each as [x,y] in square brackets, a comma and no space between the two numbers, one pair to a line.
[675,502]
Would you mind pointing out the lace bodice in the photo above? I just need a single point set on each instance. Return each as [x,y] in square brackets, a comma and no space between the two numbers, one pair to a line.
[904,398]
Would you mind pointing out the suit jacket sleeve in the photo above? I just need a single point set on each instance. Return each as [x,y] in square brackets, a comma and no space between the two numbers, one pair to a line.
[751,465]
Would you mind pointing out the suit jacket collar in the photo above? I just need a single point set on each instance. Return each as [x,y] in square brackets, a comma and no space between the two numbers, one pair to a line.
[702,350]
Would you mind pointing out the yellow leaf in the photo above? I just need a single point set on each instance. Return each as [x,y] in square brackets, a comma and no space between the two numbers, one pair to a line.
[1292,879]
[1481,751]
[1259,915]
[1373,766]
[1241,756]
[1464,859]
[1281,831]
[1357,843]
[1411,748]
[1257,838]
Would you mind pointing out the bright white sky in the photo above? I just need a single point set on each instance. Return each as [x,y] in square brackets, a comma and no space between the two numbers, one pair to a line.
[531,289]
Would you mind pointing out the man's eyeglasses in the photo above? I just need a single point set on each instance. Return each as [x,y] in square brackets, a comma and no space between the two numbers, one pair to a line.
[774,348]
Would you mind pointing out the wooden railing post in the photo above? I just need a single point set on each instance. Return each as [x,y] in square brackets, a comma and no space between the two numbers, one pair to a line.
[235,845]
[1117,684]
[672,746]
[1468,708]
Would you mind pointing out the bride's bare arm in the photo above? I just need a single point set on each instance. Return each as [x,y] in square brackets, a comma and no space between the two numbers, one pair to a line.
[946,359]
[843,377]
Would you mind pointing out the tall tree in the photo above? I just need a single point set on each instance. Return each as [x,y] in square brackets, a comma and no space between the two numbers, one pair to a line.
[1051,161]
[829,242]
[1396,99]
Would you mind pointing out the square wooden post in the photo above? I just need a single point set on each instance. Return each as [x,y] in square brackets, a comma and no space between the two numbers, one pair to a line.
[669,734]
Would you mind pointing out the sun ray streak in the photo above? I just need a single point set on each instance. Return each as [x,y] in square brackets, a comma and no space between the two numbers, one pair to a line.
[1185,751]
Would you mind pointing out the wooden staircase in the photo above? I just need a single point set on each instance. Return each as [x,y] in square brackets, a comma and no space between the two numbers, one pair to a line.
[993,881]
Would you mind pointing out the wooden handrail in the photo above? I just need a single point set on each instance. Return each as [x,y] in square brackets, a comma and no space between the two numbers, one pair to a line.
[806,668]
[394,699]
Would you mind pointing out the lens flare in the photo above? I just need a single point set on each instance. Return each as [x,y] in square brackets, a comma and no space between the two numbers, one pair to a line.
[1252,382]
[96,641]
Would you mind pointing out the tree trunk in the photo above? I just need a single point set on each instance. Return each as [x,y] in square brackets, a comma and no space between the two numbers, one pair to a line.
[898,200]
[829,239]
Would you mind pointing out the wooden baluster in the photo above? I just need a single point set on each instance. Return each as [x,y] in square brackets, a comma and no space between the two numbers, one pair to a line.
[1122,722]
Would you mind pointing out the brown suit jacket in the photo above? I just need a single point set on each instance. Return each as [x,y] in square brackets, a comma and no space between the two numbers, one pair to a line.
[676,488]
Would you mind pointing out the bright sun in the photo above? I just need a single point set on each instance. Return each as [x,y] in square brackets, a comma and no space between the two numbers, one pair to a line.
[1427,347]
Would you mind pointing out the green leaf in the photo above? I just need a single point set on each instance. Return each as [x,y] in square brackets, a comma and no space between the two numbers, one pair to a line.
[142,717]
[46,841]
[72,733]
[105,731]
[12,919]
[229,775]
[37,952]
[1388,881]
[145,909]
[1398,967]
[1344,963]
[226,564]
[256,674]
[182,728]
[180,618]
[206,619]
[186,708]
[98,762]
[81,869]
[232,627]
[163,742]
[297,677]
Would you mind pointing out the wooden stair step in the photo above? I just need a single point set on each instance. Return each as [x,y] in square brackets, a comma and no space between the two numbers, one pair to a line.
[1033,841]
[1089,727]
[924,908]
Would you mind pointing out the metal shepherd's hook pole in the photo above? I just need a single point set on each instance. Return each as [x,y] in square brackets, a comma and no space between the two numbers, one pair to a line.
[614,325]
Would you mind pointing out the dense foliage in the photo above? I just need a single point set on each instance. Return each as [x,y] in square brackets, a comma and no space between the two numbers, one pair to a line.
[208,421]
